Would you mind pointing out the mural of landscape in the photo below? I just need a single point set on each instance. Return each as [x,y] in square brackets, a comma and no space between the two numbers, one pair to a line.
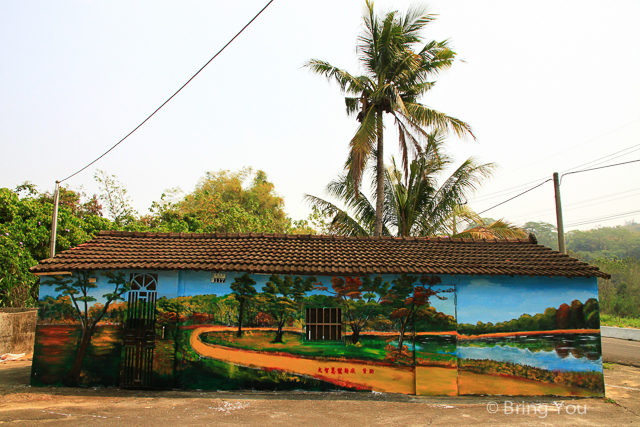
[386,333]
[529,337]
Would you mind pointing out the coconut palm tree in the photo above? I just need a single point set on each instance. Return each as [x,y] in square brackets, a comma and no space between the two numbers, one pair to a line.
[395,77]
[416,204]
[478,228]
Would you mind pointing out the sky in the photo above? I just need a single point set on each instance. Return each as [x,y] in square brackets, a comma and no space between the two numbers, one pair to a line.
[546,86]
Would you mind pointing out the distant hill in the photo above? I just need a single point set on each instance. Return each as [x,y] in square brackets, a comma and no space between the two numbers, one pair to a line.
[615,250]
[619,242]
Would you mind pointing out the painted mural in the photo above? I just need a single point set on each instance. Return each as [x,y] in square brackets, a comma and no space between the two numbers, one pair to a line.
[386,333]
[530,336]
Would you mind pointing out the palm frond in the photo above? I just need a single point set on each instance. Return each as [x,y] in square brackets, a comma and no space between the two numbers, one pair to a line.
[499,229]
[425,116]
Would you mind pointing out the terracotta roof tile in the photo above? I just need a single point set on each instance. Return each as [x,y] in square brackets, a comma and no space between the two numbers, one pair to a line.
[312,254]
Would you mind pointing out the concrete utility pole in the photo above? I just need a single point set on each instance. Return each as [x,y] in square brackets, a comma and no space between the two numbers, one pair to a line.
[556,187]
[54,220]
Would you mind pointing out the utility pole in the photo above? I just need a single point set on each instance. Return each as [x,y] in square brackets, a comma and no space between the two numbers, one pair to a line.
[54,220]
[556,187]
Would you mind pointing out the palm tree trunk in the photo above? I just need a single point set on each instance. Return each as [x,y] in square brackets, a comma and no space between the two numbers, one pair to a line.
[379,180]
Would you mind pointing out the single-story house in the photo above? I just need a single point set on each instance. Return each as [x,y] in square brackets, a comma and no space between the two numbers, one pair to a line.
[425,316]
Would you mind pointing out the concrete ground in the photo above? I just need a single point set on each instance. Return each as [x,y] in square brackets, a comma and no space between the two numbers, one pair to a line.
[22,405]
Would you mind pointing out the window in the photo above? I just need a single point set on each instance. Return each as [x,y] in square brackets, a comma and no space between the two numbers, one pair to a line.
[144,284]
[324,324]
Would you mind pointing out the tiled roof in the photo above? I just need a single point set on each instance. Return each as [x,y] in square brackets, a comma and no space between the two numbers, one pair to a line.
[317,255]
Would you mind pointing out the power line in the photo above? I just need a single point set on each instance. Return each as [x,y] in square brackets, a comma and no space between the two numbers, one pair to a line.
[508,200]
[517,187]
[508,190]
[572,207]
[602,218]
[171,97]
[601,167]
[503,192]
[568,173]
[571,148]
[609,155]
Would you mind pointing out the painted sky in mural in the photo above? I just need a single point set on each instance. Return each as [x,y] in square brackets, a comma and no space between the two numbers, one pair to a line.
[502,298]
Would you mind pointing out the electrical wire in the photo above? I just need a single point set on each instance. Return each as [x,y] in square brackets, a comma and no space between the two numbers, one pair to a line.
[572,207]
[171,97]
[602,218]
[509,190]
[568,173]
[601,167]
[508,200]
[502,193]
[571,148]
[604,157]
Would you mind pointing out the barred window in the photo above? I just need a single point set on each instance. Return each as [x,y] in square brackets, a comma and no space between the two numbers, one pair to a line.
[324,324]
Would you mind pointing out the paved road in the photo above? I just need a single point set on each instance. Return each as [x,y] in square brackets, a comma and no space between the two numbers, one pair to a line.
[624,352]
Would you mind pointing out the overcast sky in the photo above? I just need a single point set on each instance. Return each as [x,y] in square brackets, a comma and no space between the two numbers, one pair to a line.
[547,86]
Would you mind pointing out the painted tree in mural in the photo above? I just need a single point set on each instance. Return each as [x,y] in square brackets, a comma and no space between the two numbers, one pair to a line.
[407,295]
[227,308]
[243,289]
[78,288]
[283,296]
[360,299]
[591,314]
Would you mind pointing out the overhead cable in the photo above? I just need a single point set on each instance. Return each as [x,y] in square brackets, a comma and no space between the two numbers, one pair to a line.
[171,97]
[508,200]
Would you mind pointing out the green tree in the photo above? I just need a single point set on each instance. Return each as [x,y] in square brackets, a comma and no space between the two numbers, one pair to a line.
[224,202]
[415,205]
[407,295]
[360,299]
[25,224]
[547,234]
[283,296]
[114,195]
[78,288]
[591,314]
[243,290]
[395,78]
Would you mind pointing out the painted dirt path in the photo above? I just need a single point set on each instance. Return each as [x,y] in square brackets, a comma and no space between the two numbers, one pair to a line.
[386,379]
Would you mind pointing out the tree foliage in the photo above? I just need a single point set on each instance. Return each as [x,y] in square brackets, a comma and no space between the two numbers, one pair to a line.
[244,290]
[408,295]
[360,299]
[283,297]
[25,224]
[567,316]
[420,203]
[78,288]
[222,201]
[395,78]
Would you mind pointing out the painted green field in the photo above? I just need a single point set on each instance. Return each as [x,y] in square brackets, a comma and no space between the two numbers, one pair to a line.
[369,348]
[194,372]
